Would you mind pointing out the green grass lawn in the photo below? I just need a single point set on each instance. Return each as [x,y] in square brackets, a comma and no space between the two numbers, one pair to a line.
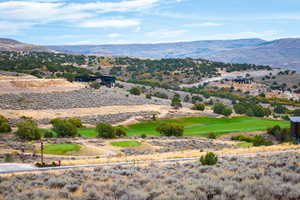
[205,125]
[245,144]
[61,149]
[126,144]
[201,126]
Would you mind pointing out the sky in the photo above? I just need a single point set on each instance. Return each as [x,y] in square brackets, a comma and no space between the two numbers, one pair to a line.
[76,22]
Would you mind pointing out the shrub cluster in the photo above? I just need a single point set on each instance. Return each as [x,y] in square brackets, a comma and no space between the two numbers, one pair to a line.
[212,135]
[28,130]
[250,108]
[64,127]
[76,122]
[161,95]
[209,159]
[199,106]
[95,85]
[257,140]
[4,125]
[281,134]
[108,131]
[135,91]
[221,109]
[170,129]
[176,102]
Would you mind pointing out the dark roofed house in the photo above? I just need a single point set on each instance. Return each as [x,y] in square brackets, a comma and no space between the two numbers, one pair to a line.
[295,128]
[108,81]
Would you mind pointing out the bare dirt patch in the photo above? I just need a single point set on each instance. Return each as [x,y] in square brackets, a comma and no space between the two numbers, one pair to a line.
[104,110]
[30,84]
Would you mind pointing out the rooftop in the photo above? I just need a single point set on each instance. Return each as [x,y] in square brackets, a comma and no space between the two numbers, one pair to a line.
[295,119]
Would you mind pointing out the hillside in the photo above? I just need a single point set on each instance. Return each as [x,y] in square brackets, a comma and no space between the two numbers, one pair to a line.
[13,45]
[278,53]
[193,49]
[282,53]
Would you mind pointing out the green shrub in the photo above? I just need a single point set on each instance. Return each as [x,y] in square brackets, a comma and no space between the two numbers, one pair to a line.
[28,130]
[169,129]
[48,134]
[280,109]
[5,128]
[161,95]
[76,122]
[148,96]
[143,136]
[259,140]
[106,131]
[196,99]
[281,134]
[135,91]
[221,109]
[242,138]
[8,157]
[120,132]
[209,159]
[64,128]
[176,102]
[4,125]
[198,107]
[212,136]
[95,85]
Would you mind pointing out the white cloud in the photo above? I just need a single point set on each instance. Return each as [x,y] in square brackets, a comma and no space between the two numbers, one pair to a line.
[114,35]
[166,33]
[13,28]
[205,24]
[34,12]
[113,23]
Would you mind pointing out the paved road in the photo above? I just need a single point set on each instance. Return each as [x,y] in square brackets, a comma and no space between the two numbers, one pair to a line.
[14,168]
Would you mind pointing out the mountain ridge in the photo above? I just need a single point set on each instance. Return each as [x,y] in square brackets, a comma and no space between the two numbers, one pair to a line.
[283,53]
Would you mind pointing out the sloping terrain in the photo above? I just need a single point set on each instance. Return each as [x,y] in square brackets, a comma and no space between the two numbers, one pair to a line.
[193,49]
[13,45]
[283,53]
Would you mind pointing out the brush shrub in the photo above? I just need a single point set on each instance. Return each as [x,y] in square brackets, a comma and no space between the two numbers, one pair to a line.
[28,130]
[209,159]
[4,125]
[64,128]
[106,130]
[170,129]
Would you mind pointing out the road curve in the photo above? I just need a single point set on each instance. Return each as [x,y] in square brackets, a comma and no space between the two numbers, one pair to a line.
[19,168]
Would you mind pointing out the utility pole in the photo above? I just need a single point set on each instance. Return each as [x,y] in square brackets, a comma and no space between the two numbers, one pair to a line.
[42,153]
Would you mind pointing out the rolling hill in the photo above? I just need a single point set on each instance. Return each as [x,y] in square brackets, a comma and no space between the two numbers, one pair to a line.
[283,53]
[13,45]
[193,49]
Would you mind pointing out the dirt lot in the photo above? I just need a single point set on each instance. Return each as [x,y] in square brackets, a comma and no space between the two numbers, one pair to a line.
[31,84]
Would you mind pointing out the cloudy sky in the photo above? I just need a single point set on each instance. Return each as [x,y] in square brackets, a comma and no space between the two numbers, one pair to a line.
[144,21]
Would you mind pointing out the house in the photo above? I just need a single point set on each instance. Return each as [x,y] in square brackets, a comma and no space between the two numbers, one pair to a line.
[295,128]
[108,81]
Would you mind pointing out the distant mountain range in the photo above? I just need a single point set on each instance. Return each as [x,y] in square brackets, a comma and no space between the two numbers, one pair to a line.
[284,53]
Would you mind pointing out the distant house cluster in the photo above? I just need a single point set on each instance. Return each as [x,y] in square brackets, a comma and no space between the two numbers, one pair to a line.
[108,81]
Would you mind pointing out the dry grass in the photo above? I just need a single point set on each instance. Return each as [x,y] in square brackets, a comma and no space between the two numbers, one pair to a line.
[182,154]
[78,112]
